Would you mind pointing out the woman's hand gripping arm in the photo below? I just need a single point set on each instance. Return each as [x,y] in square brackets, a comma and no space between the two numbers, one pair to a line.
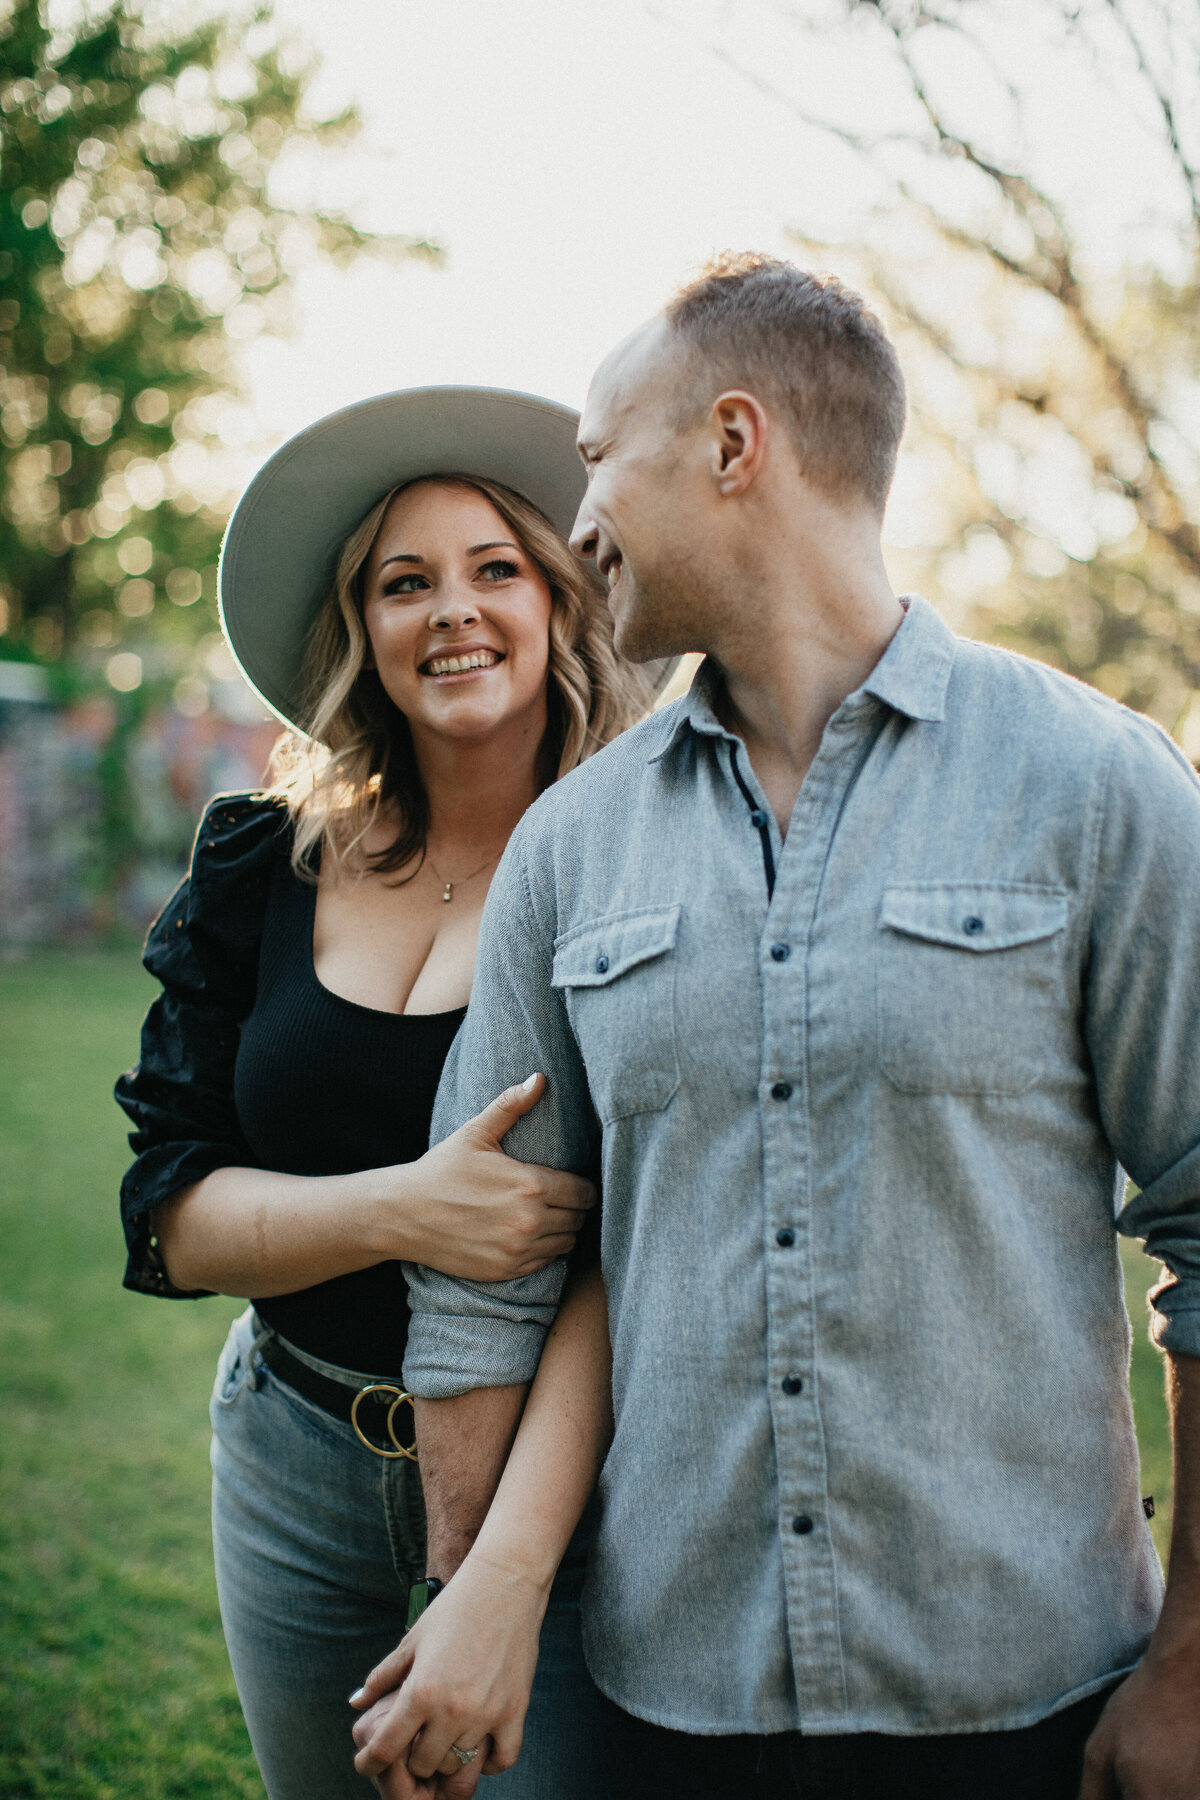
[464,1208]
[463,1674]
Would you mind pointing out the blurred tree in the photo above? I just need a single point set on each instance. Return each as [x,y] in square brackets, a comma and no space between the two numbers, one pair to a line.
[138,244]
[1054,443]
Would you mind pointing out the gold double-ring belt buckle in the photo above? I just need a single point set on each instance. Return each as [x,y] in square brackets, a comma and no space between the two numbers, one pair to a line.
[383,1387]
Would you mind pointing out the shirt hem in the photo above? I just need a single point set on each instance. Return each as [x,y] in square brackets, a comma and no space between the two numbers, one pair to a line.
[847,1724]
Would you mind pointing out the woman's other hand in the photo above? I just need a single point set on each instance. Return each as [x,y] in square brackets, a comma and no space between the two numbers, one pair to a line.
[461,1676]
[479,1214]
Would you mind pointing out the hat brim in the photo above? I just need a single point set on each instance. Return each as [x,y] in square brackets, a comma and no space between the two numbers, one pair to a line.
[282,543]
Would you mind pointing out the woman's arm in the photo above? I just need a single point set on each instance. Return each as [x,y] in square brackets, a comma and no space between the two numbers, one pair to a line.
[464,1672]
[465,1208]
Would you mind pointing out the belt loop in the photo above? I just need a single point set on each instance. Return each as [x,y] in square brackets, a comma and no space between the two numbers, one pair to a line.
[263,1335]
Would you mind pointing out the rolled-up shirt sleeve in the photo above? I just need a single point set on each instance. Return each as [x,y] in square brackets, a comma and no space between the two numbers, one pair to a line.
[1143,1012]
[472,1334]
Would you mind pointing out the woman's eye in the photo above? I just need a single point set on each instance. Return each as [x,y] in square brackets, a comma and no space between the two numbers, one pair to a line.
[499,570]
[406,584]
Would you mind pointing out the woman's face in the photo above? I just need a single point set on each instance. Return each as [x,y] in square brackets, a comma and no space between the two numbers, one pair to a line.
[457,614]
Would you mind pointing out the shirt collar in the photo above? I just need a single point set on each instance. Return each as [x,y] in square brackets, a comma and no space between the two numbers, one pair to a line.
[911,677]
[693,712]
[914,671]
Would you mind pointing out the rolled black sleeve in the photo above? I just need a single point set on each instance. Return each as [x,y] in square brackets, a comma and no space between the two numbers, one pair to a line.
[203,948]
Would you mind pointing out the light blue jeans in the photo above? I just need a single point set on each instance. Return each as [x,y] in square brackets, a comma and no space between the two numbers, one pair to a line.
[316,1542]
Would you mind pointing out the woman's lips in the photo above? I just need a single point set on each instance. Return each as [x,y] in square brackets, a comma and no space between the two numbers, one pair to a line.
[466,662]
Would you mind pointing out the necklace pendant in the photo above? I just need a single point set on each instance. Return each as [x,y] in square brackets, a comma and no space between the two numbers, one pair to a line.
[449,891]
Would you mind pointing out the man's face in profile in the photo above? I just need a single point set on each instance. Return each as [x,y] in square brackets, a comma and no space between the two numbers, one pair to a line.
[642,519]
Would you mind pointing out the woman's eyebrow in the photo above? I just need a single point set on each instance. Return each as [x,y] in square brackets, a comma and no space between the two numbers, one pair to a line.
[409,557]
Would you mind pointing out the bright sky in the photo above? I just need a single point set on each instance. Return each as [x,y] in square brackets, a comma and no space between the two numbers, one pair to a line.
[577,157]
[574,159]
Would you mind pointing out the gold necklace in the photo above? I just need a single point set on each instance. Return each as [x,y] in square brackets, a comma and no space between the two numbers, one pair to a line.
[459,880]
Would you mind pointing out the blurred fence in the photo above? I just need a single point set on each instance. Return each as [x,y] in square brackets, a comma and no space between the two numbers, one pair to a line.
[99,800]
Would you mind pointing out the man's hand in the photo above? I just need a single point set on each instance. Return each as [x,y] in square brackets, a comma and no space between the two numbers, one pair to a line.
[1146,1745]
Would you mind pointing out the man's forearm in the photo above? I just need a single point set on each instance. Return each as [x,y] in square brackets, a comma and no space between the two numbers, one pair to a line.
[1179,1627]
[463,1445]
[1147,1743]
[565,1433]
[464,1672]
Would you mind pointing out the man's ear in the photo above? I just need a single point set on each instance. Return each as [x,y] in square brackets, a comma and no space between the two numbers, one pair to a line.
[738,441]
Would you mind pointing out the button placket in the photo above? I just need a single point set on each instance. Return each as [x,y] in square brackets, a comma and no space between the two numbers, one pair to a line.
[809,1576]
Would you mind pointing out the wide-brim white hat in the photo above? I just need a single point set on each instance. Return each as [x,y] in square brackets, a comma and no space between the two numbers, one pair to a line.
[281,547]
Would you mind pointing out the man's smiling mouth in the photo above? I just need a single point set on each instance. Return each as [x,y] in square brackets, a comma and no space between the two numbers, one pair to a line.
[459,665]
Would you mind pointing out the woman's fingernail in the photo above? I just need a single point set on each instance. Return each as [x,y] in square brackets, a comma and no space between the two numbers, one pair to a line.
[357,1696]
[528,1083]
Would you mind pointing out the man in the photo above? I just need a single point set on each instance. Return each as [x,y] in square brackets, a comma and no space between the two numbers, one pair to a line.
[867,968]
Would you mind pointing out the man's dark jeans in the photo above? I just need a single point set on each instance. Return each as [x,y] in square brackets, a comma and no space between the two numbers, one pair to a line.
[1041,1762]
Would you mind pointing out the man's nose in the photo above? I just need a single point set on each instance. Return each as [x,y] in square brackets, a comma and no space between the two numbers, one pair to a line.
[585,535]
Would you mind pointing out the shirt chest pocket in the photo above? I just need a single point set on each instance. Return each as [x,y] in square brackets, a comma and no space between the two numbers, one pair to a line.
[617,976]
[969,985]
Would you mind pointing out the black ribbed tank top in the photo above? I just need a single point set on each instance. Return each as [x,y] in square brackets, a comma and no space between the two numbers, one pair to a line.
[324,1086]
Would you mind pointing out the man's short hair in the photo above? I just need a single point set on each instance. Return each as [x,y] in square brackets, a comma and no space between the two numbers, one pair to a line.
[812,352]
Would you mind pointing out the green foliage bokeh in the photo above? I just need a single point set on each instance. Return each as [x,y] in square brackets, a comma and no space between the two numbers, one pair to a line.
[138,244]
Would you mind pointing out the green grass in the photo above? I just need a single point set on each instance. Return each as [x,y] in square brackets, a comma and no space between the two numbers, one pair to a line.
[113,1678]
[1149,1397]
[114,1683]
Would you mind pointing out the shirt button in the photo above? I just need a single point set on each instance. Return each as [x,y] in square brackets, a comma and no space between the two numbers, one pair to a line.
[792,1384]
[780,952]
[758,819]
[802,1525]
[782,1090]
[973,925]
[602,965]
[785,1238]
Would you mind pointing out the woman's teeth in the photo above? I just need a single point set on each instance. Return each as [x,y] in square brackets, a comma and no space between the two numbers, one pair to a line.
[614,574]
[454,665]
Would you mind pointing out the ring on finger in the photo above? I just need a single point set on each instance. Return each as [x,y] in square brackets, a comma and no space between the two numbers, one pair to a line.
[464,1756]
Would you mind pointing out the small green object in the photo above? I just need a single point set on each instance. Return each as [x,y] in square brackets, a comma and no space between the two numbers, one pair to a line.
[419,1596]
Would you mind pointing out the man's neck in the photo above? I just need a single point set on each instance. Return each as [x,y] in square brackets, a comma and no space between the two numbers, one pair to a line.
[811,640]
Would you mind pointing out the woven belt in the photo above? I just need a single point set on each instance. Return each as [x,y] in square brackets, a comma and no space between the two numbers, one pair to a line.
[371,1410]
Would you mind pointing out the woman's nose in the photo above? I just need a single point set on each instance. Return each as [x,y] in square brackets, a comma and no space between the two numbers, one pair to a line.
[453,610]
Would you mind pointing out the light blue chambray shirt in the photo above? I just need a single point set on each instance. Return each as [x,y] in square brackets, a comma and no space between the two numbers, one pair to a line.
[874,1466]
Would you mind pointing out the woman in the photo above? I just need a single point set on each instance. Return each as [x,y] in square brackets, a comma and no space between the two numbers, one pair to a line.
[315,967]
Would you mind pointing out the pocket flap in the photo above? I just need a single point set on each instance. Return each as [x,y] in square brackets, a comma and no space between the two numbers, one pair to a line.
[974,915]
[593,954]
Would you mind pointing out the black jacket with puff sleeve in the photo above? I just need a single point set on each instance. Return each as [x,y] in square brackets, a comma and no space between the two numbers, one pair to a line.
[204,949]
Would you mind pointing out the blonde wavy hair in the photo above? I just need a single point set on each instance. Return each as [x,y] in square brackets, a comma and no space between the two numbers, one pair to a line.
[355,753]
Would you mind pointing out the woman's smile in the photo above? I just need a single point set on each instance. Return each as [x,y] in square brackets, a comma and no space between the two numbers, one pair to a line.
[467,661]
